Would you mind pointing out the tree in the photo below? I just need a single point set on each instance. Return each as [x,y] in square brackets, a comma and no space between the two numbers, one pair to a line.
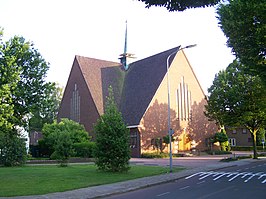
[222,138]
[61,137]
[46,110]
[12,147]
[238,99]
[9,78]
[180,5]
[243,23]
[24,93]
[25,67]
[112,151]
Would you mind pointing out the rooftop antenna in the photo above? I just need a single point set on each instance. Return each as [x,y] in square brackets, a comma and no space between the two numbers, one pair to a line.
[124,58]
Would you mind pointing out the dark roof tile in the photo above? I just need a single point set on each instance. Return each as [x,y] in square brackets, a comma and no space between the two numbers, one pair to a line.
[141,82]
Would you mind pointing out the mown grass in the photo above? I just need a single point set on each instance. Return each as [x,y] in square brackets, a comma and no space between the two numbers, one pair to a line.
[37,180]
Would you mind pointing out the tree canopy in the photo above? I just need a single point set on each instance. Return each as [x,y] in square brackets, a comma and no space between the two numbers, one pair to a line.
[243,23]
[238,99]
[23,88]
[46,110]
[180,5]
[9,78]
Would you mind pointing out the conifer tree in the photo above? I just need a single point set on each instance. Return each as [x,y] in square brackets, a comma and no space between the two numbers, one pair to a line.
[112,139]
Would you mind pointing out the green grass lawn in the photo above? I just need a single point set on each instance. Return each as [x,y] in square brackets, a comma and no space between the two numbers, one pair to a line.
[36,180]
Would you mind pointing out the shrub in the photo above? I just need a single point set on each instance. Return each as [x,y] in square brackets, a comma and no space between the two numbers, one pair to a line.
[12,150]
[84,149]
[63,148]
[154,155]
[60,138]
[245,148]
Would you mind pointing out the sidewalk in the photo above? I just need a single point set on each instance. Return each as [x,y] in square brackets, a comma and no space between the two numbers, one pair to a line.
[107,190]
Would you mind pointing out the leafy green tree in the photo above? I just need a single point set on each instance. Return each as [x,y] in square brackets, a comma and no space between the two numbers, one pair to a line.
[25,70]
[112,151]
[12,147]
[9,78]
[222,138]
[46,110]
[63,135]
[261,136]
[238,99]
[180,5]
[23,90]
[243,23]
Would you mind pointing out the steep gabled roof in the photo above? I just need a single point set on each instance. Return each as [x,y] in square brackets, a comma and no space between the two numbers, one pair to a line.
[92,71]
[141,82]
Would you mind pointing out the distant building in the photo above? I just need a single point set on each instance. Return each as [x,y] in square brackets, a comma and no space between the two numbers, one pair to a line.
[239,137]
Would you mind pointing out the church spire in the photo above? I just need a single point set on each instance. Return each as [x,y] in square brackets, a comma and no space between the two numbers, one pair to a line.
[124,58]
[125,47]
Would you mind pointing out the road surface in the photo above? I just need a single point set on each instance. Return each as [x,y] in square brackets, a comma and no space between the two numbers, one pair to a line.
[248,181]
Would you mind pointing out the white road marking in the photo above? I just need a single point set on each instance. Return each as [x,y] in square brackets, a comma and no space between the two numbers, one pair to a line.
[236,176]
[163,194]
[223,174]
[247,174]
[194,175]
[253,176]
[230,175]
[201,182]
[184,188]
[262,176]
[234,173]
[206,175]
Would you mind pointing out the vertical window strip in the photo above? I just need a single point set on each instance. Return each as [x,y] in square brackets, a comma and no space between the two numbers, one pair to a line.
[185,100]
[189,105]
[71,108]
[177,104]
[75,105]
[181,102]
[78,108]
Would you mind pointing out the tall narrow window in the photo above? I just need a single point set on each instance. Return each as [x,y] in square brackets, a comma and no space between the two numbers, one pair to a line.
[75,105]
[183,101]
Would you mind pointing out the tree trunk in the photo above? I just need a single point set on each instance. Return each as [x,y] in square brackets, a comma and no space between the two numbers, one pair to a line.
[254,140]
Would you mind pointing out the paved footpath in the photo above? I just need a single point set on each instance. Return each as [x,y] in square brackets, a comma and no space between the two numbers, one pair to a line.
[193,165]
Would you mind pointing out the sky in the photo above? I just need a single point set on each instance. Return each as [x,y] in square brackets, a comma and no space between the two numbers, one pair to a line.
[61,29]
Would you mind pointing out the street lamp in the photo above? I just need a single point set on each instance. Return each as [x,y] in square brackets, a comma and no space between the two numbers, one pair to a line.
[170,131]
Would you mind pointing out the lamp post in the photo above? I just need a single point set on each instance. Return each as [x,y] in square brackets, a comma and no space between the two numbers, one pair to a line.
[170,131]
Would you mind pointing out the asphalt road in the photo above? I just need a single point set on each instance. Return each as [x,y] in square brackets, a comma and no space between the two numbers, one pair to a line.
[248,181]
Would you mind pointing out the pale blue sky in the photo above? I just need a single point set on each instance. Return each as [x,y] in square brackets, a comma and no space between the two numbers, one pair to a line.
[61,29]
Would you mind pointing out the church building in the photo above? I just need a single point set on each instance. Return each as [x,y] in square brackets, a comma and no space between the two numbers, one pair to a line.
[141,90]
